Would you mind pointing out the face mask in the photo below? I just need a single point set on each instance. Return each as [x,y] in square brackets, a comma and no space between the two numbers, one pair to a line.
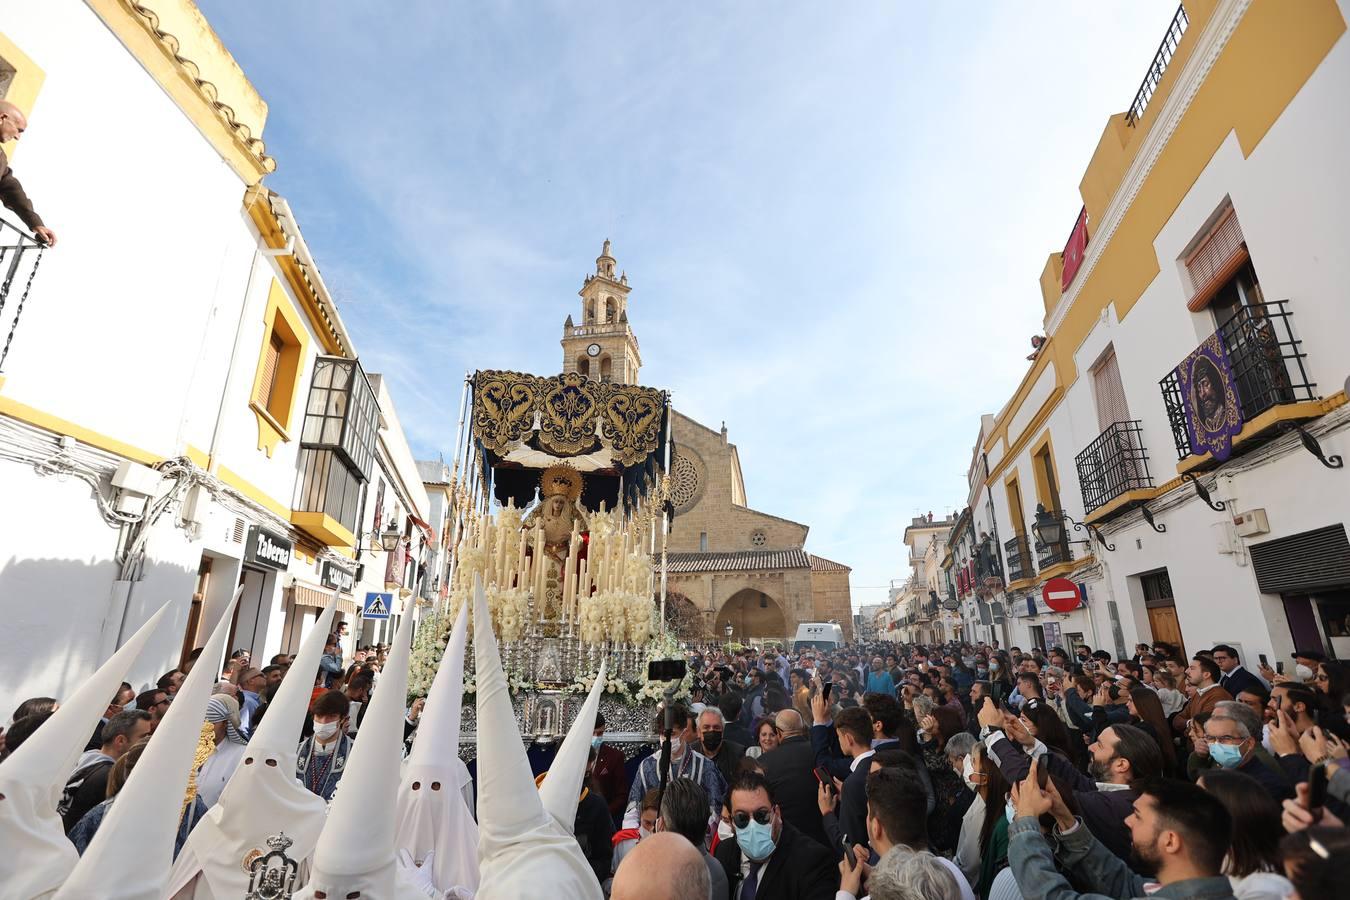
[724,831]
[756,840]
[712,740]
[968,775]
[1226,756]
[597,741]
[643,831]
[1304,673]
[982,672]
[676,747]
[995,665]
[325,730]
[1010,813]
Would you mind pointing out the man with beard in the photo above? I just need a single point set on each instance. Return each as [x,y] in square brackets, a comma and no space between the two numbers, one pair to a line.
[1122,757]
[1178,830]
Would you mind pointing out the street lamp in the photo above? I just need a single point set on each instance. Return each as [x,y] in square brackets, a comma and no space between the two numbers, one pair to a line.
[1049,529]
[389,539]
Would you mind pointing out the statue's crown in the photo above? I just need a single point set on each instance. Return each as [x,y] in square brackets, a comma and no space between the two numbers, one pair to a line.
[560,481]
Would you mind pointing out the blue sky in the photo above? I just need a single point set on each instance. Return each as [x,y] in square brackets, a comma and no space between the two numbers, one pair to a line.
[833,216]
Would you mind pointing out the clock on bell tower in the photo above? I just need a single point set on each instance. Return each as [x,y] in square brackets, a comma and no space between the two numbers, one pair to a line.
[603,347]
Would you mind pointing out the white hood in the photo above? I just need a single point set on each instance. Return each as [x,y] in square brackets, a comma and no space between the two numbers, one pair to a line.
[263,797]
[433,820]
[132,852]
[524,852]
[356,850]
[37,856]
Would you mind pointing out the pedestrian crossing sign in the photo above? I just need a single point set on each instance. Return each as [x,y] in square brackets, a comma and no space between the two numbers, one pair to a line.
[377,606]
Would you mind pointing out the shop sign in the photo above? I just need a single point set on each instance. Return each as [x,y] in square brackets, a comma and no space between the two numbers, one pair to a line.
[267,548]
[336,578]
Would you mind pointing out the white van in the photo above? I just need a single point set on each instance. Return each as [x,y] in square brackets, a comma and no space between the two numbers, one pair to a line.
[818,636]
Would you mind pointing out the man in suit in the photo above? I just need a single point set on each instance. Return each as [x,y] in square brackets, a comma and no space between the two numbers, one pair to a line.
[789,770]
[767,857]
[1202,674]
[1235,679]
[849,827]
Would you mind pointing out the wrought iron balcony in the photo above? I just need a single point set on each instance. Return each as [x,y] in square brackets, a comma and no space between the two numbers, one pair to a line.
[1019,558]
[1056,552]
[20,256]
[1267,362]
[987,563]
[1159,65]
[1114,464]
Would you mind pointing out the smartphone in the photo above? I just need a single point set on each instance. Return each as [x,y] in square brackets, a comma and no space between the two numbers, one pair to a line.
[1279,667]
[825,690]
[1317,789]
[665,670]
[1042,776]
[823,776]
[1264,662]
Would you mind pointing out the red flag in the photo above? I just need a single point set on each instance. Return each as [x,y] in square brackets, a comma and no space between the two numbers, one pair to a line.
[1075,250]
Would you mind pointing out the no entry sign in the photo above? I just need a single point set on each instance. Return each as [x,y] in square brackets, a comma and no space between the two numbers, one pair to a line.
[1061,595]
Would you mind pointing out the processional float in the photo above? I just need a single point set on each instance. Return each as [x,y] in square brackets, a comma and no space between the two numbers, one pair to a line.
[559,493]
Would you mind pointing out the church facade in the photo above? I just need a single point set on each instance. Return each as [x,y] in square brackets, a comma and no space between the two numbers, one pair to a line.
[729,564]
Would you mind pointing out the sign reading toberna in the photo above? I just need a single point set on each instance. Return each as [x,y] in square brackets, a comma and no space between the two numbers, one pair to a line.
[267,548]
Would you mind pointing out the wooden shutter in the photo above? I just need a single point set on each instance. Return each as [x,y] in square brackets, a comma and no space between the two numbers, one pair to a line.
[1108,391]
[271,363]
[1216,259]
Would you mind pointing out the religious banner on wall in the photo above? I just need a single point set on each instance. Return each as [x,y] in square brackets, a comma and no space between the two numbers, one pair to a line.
[1209,396]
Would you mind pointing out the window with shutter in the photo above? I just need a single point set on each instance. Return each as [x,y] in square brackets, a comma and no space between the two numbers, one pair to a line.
[267,385]
[1216,258]
[1108,391]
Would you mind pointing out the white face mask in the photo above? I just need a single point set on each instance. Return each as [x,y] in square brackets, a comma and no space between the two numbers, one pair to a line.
[643,832]
[725,831]
[968,775]
[324,731]
[676,747]
[1303,673]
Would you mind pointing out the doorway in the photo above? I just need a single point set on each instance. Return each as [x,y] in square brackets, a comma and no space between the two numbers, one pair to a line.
[194,622]
[251,613]
[1162,610]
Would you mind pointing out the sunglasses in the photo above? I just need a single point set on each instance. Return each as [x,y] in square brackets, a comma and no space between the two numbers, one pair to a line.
[763,816]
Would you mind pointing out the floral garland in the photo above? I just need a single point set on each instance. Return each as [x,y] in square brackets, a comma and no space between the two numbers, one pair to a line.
[510,608]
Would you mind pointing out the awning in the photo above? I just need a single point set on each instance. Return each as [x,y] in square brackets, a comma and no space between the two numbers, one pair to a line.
[315,597]
[430,532]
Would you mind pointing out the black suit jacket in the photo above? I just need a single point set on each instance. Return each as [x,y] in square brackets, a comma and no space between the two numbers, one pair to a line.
[1240,680]
[848,825]
[790,771]
[799,869]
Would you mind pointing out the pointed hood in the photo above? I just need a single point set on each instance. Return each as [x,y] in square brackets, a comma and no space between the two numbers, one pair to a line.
[433,818]
[568,772]
[356,850]
[37,856]
[523,851]
[132,852]
[264,796]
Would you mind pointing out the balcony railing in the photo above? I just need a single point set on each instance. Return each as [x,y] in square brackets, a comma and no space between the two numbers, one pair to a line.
[986,561]
[1267,362]
[1159,65]
[1114,464]
[1048,555]
[20,256]
[1019,558]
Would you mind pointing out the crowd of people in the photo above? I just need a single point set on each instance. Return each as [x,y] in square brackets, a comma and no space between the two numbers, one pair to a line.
[946,772]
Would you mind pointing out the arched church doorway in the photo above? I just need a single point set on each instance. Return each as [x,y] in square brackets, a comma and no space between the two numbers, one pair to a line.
[751,614]
[683,617]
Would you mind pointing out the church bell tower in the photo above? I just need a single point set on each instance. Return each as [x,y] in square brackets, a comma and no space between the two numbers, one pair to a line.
[603,346]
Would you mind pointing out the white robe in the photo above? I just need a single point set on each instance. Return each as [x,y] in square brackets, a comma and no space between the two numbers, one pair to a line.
[216,771]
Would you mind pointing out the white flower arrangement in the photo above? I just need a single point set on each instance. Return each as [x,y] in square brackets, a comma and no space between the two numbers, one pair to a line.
[639,613]
[615,687]
[591,619]
[509,608]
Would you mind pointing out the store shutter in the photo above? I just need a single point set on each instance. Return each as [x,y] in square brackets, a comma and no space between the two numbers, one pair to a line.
[1303,562]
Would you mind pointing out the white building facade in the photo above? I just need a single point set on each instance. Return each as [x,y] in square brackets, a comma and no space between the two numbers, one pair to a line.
[1194,501]
[181,410]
